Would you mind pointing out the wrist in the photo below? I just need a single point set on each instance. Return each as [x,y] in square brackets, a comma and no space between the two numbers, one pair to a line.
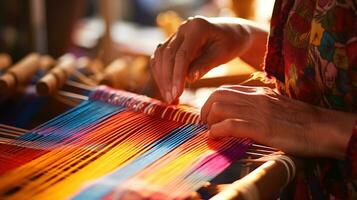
[337,128]
[250,34]
[242,31]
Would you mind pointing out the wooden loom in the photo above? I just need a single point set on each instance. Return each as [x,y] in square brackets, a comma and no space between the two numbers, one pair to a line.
[262,183]
[275,168]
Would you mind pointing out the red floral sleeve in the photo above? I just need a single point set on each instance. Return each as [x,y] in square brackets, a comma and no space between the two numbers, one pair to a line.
[351,156]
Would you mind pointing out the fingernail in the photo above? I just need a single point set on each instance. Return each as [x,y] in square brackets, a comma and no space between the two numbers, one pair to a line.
[168,97]
[174,92]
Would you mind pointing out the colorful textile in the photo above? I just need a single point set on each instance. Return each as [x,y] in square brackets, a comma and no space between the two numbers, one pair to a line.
[312,54]
[115,143]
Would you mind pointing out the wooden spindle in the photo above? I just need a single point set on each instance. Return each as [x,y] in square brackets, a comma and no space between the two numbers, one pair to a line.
[47,62]
[262,183]
[5,61]
[116,74]
[20,73]
[56,78]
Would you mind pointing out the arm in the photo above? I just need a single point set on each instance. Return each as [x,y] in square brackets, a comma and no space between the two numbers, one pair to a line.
[258,36]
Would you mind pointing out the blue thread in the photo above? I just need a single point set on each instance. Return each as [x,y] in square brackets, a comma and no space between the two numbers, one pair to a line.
[158,149]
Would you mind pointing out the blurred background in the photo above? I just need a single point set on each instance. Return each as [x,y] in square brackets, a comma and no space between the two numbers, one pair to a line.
[111,42]
[136,26]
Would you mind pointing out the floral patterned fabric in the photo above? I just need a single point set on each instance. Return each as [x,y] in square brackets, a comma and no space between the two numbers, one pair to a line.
[312,54]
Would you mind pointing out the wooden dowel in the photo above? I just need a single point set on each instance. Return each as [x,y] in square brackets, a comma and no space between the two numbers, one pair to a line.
[127,74]
[89,71]
[5,61]
[20,73]
[116,74]
[56,78]
[262,183]
[47,62]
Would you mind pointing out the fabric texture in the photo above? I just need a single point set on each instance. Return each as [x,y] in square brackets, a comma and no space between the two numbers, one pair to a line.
[312,55]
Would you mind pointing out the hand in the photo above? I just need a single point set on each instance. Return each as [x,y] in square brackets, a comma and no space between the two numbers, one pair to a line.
[268,118]
[199,45]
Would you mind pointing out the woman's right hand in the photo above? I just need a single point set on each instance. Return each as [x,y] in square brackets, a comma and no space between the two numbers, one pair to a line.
[199,45]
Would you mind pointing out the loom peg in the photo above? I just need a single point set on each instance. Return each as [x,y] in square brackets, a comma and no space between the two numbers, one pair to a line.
[46,62]
[20,73]
[264,181]
[5,61]
[94,66]
[58,75]
[127,74]
[116,73]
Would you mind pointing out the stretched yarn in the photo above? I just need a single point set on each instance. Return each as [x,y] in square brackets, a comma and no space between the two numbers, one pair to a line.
[110,143]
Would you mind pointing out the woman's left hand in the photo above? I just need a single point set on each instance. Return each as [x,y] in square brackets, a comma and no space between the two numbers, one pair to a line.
[268,118]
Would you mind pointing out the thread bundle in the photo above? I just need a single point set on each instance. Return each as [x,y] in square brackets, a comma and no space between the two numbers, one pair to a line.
[113,143]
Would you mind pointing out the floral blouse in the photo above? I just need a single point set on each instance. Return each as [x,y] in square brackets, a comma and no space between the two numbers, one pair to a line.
[312,54]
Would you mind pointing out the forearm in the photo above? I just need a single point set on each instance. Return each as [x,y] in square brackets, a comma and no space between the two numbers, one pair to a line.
[256,39]
[255,53]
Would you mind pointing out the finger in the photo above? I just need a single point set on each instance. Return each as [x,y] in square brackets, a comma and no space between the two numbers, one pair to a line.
[220,95]
[168,65]
[154,71]
[155,65]
[166,69]
[223,94]
[233,128]
[160,70]
[183,58]
[221,111]
[205,62]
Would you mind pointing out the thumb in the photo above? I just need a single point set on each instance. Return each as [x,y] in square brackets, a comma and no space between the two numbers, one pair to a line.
[201,65]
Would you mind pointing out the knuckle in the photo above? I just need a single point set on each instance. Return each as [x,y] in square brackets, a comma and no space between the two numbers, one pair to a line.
[199,20]
[214,94]
[182,28]
[194,21]
[230,124]
[169,51]
[181,53]
[215,106]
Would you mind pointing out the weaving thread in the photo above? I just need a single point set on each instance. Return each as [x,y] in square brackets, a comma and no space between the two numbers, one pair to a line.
[108,143]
